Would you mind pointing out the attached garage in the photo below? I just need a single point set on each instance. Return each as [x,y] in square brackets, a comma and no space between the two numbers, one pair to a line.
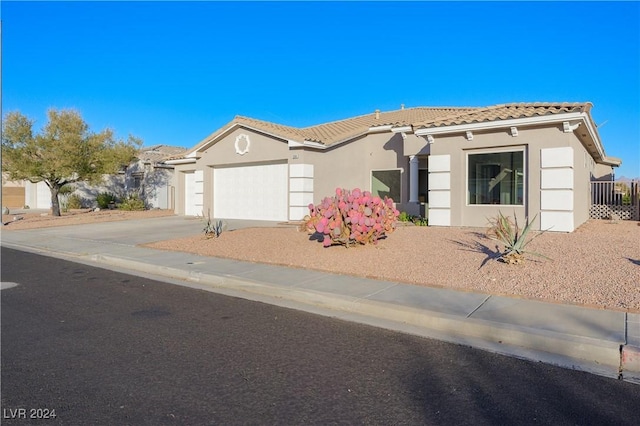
[251,192]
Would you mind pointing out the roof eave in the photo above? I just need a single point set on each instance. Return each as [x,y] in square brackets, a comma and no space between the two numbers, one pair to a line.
[495,124]
[593,133]
[180,161]
[610,161]
[580,117]
[305,144]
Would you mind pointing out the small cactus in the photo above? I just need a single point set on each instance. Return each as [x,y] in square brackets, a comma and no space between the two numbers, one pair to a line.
[213,228]
[352,217]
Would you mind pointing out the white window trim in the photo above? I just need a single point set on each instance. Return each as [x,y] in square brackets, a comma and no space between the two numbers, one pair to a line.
[525,173]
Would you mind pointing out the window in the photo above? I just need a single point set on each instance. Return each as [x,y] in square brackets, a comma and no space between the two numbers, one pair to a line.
[496,178]
[386,183]
[137,180]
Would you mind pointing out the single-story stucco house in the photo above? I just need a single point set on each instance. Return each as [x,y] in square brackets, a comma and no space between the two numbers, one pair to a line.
[457,166]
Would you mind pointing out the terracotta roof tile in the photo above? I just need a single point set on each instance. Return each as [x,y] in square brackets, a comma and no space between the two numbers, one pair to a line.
[419,117]
[330,133]
[504,112]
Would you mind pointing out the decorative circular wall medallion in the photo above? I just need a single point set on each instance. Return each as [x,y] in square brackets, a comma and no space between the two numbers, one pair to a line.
[242,147]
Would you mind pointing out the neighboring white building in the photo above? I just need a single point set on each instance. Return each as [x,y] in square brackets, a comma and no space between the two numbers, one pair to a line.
[149,177]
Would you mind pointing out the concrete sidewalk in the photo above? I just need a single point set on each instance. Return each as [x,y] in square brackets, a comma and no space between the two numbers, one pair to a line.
[599,341]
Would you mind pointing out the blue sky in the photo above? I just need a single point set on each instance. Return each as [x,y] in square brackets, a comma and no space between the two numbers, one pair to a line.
[173,72]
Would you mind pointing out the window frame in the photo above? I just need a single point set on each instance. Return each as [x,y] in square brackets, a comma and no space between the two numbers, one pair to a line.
[509,149]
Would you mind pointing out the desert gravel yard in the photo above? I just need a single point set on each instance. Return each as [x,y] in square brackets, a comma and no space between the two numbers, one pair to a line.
[597,265]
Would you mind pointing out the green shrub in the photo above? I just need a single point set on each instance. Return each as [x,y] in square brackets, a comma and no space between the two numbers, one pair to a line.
[104,199]
[404,217]
[132,202]
[420,221]
[66,189]
[63,197]
[74,201]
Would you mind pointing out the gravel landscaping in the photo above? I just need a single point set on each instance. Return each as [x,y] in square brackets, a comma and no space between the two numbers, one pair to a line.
[597,265]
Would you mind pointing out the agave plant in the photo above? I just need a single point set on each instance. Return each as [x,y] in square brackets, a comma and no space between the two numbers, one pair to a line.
[507,232]
[212,227]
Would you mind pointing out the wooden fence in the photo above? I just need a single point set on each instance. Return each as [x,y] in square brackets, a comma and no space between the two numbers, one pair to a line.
[615,200]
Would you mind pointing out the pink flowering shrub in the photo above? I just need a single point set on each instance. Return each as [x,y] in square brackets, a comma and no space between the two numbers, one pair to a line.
[352,217]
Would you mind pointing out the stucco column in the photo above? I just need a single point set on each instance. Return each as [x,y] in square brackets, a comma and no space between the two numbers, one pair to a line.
[413,178]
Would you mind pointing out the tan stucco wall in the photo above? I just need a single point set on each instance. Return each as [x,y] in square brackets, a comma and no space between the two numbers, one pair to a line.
[349,165]
[583,167]
[178,180]
[602,172]
[262,149]
[531,140]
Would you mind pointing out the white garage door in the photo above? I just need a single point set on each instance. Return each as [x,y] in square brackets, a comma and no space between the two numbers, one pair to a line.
[251,192]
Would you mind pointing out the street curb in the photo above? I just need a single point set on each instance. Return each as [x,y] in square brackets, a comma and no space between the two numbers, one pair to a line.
[602,357]
[630,363]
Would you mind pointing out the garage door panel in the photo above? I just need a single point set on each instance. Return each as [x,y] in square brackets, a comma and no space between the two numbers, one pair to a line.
[257,192]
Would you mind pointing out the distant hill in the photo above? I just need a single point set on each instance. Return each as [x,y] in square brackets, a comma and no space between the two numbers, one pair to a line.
[626,179]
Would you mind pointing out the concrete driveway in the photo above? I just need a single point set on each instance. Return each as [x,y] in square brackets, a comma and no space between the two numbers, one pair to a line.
[141,231]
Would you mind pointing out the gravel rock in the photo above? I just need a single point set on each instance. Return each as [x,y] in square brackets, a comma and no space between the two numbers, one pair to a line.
[597,265]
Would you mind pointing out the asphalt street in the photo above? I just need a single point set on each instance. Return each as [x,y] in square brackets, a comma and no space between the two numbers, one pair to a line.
[101,347]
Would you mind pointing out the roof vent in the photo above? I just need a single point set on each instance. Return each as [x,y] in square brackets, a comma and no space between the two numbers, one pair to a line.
[377,114]
[402,106]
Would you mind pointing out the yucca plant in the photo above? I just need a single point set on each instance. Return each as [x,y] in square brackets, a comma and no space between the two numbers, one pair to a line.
[507,232]
[213,228]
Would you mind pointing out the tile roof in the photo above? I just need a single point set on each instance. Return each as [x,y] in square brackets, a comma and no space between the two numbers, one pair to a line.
[504,112]
[157,153]
[420,117]
[336,131]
